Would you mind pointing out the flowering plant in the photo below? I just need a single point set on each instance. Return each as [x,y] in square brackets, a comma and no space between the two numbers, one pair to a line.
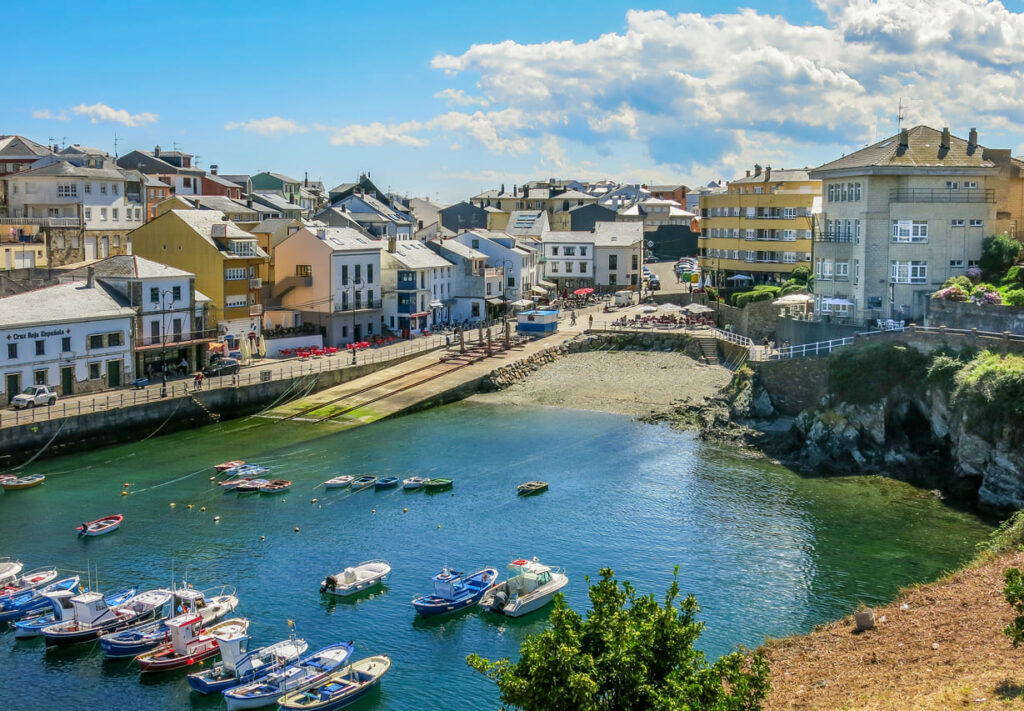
[973,273]
[954,292]
[986,294]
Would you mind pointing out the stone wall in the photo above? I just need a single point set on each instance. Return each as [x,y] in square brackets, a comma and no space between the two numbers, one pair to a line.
[755,320]
[794,385]
[959,314]
[801,332]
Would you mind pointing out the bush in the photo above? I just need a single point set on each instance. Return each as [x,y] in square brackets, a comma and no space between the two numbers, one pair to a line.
[1014,277]
[998,254]
[991,387]
[768,287]
[742,298]
[801,274]
[1008,537]
[863,374]
[712,293]
[943,369]
[792,289]
[1013,297]
[960,281]
[986,295]
[954,292]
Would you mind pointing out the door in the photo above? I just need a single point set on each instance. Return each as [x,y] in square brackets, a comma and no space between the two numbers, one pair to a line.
[113,373]
[13,385]
[90,248]
[357,332]
[67,380]
[104,247]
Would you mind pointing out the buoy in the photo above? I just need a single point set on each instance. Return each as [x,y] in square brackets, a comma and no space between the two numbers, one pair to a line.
[202,508]
[126,485]
[172,504]
[439,525]
[212,478]
[313,501]
[189,506]
[216,518]
[296,529]
[124,493]
[373,510]
[405,510]
[263,538]
[283,500]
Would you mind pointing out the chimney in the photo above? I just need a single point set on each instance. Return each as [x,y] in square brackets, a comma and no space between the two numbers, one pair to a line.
[392,244]
[90,274]
[305,182]
[322,233]
[526,191]
[213,169]
[748,173]
[757,169]
[502,191]
[905,138]
[944,141]
[972,140]
[768,173]
[156,151]
[248,204]
[196,203]
[515,191]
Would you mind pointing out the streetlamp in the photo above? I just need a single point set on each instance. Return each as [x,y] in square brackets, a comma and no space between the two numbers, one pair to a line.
[508,303]
[163,338]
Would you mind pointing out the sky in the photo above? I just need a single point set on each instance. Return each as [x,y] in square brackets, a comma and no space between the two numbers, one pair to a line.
[445,100]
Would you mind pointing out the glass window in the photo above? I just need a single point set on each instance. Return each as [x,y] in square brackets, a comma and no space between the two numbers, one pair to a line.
[12,350]
[303,270]
[40,347]
[94,371]
[65,344]
[96,341]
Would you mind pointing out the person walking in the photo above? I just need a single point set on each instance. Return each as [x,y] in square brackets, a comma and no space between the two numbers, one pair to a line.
[590,321]
[572,318]
[197,382]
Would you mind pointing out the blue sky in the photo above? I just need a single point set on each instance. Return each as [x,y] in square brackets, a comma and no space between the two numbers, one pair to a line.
[447,99]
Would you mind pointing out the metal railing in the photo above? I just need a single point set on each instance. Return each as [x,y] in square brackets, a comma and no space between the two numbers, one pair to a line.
[127,396]
[805,349]
[846,237]
[172,339]
[45,221]
[942,195]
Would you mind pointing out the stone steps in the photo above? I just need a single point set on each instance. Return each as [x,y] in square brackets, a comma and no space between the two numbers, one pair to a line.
[709,347]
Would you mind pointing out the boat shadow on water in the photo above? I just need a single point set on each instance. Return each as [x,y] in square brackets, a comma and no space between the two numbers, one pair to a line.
[329,602]
[63,657]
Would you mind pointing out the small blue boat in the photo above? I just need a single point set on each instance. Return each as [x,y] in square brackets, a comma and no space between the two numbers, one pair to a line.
[63,611]
[247,471]
[454,592]
[240,665]
[363,482]
[306,671]
[386,482]
[14,608]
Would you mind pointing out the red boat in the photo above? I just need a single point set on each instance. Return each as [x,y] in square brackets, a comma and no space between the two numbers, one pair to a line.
[190,643]
[276,486]
[101,525]
[224,466]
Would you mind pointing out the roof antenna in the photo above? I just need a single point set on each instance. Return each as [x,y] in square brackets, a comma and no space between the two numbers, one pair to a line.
[116,140]
[899,116]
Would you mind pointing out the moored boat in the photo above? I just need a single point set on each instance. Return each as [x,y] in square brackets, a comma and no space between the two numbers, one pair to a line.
[247,471]
[438,484]
[24,482]
[453,591]
[232,484]
[530,586]
[233,464]
[338,482]
[93,617]
[532,487]
[276,486]
[386,482]
[341,688]
[356,579]
[107,524]
[61,611]
[363,482]
[15,607]
[302,673]
[189,643]
[414,482]
[9,570]
[239,665]
[26,582]
[140,638]
[251,485]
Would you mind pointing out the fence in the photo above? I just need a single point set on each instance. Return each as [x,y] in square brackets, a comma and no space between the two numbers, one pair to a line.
[806,349]
[268,371]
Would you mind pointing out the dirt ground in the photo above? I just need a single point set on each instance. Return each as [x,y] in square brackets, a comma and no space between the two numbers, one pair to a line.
[939,647]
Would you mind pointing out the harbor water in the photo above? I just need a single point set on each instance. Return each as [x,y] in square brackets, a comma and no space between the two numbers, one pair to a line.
[767,553]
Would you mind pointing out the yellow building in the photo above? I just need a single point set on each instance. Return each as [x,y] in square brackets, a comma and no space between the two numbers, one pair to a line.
[761,226]
[226,260]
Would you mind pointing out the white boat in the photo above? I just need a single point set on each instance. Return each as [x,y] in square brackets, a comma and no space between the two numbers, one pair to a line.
[303,673]
[9,570]
[530,586]
[240,665]
[339,482]
[415,482]
[356,579]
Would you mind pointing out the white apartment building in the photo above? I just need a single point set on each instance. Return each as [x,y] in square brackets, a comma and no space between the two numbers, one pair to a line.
[609,256]
[902,216]
[504,252]
[417,285]
[332,275]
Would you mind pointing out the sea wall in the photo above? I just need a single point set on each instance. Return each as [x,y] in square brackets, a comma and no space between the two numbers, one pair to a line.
[958,314]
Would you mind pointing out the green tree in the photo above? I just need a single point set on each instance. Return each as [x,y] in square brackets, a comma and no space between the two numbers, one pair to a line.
[801,273]
[1014,594]
[630,653]
[998,254]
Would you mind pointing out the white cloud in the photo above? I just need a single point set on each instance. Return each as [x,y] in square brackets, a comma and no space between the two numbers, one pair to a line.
[47,114]
[101,113]
[270,126]
[458,97]
[376,134]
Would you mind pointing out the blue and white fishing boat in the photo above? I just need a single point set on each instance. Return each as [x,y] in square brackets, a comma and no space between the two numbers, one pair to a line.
[240,666]
[414,482]
[27,582]
[454,592]
[63,611]
[304,672]
[363,482]
[145,636]
[93,617]
[340,688]
[386,482]
[17,606]
[247,471]
[9,570]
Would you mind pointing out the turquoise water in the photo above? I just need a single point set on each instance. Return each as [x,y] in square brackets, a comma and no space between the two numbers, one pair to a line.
[767,552]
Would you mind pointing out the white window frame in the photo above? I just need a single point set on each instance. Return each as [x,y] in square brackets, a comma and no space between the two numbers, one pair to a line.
[976,223]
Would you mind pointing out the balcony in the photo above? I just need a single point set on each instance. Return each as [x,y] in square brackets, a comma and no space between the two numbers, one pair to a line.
[173,340]
[255,284]
[846,237]
[407,308]
[942,195]
[352,306]
[407,285]
[255,309]
[44,221]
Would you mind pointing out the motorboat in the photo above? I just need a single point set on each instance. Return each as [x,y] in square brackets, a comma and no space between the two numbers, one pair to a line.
[438,484]
[386,482]
[23,482]
[532,487]
[340,688]
[277,486]
[530,586]
[232,484]
[9,570]
[61,611]
[226,466]
[308,670]
[356,579]
[239,665]
[454,592]
[363,482]
[27,582]
[189,643]
[247,471]
[14,607]
[140,638]
[93,617]
[414,482]
[251,485]
[100,526]
[339,482]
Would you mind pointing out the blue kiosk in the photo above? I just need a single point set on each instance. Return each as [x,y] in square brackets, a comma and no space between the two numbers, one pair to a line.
[537,323]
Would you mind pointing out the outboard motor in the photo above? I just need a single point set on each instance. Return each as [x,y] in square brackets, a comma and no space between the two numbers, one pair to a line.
[500,600]
[330,583]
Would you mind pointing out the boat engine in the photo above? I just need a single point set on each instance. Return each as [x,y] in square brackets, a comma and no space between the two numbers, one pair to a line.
[329,584]
[500,600]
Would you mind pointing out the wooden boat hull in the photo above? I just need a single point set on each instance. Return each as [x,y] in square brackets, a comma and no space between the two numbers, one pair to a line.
[23,483]
[341,688]
[434,485]
[158,661]
[101,526]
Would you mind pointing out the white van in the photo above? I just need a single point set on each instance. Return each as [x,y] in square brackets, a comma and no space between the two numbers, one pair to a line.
[623,298]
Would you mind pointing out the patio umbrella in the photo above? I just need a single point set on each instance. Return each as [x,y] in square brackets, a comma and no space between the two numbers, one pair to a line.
[740,277]
[583,292]
[262,347]
[243,348]
[670,308]
[648,309]
[697,309]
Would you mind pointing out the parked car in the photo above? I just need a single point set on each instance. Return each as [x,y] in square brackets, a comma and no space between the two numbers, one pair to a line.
[654,284]
[223,366]
[35,395]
